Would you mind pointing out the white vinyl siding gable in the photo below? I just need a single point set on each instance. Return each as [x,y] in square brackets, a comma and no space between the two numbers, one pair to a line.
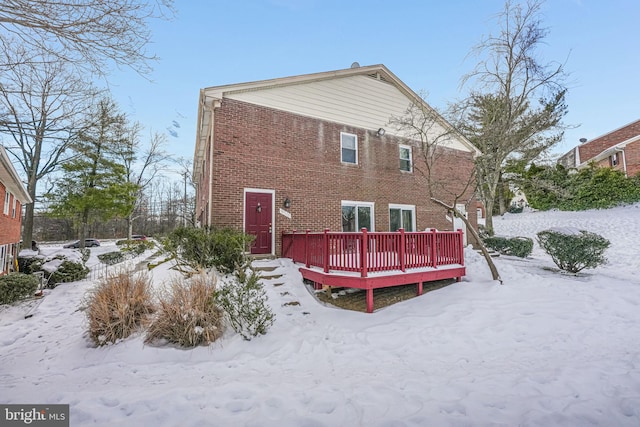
[360,101]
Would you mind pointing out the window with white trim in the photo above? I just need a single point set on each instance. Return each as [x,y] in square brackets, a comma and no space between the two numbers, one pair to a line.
[3,259]
[348,148]
[7,199]
[613,160]
[357,215]
[13,209]
[402,216]
[406,163]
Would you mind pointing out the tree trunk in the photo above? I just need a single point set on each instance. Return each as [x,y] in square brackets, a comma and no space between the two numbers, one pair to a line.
[129,227]
[474,233]
[502,208]
[27,233]
[27,221]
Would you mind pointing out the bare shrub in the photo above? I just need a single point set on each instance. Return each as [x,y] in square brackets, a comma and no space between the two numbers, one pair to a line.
[188,314]
[118,306]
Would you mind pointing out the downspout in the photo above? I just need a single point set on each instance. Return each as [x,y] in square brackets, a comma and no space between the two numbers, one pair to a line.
[214,104]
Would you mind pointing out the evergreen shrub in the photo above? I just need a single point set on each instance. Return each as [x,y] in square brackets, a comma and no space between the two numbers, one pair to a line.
[111,258]
[573,250]
[14,286]
[68,271]
[203,248]
[517,246]
[244,301]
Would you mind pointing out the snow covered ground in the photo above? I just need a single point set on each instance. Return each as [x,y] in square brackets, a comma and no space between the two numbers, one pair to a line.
[544,349]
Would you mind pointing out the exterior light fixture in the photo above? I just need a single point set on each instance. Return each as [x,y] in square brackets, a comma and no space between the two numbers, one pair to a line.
[287,203]
[381,132]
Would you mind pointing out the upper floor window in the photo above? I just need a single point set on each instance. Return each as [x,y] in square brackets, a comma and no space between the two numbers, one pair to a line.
[348,148]
[7,199]
[13,209]
[405,158]
[614,159]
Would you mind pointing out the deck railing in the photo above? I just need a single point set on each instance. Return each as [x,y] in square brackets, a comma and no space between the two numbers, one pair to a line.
[366,252]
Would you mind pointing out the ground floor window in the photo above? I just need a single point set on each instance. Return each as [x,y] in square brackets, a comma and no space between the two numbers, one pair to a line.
[4,259]
[356,215]
[402,216]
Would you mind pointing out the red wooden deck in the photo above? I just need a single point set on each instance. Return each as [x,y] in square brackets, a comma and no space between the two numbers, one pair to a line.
[371,260]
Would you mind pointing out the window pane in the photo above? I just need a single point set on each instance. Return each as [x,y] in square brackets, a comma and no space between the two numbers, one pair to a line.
[349,141]
[348,218]
[349,147]
[348,156]
[395,222]
[364,217]
[407,220]
[405,159]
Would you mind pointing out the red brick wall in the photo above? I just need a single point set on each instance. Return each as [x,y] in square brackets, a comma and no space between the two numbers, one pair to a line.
[596,146]
[299,158]
[9,227]
[632,158]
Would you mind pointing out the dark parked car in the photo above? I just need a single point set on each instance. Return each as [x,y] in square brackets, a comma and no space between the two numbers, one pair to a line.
[87,243]
[138,237]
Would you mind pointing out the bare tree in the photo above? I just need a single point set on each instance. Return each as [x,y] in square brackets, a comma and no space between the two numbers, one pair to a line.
[142,166]
[42,103]
[437,151]
[92,34]
[518,103]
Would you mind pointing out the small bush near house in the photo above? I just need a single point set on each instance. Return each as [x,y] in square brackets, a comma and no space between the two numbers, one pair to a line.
[515,209]
[573,250]
[68,271]
[245,304]
[517,246]
[14,286]
[188,314]
[30,265]
[111,258]
[135,247]
[201,248]
[118,306]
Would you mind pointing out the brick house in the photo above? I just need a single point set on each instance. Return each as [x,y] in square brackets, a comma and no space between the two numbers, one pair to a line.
[317,152]
[618,149]
[13,196]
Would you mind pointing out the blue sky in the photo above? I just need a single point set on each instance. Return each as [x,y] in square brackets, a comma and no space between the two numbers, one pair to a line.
[425,43]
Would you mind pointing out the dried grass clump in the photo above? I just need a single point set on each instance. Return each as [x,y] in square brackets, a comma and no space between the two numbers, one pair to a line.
[118,306]
[188,314]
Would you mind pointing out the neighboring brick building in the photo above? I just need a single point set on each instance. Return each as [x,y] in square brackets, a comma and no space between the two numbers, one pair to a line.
[12,197]
[618,149]
[316,151]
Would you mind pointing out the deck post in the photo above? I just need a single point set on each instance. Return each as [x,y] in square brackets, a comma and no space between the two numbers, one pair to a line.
[461,246]
[306,248]
[364,252]
[402,249]
[434,252]
[325,250]
[419,288]
[369,300]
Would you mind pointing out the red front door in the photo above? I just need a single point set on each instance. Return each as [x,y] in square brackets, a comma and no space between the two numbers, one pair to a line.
[258,217]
